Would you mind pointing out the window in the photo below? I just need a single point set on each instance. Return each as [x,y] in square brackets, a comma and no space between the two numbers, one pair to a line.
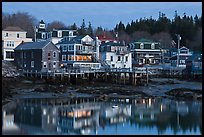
[64,48]
[49,56]
[70,33]
[24,55]
[119,58]
[111,58]
[63,57]
[43,35]
[24,65]
[54,64]
[71,47]
[44,64]
[54,54]
[32,55]
[10,43]
[69,57]
[126,58]
[60,34]
[32,64]
[113,65]
[142,46]
[152,46]
[17,35]
[6,34]
[10,54]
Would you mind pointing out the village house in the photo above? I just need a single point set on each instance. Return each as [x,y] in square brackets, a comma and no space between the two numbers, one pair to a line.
[178,57]
[116,55]
[37,56]
[12,36]
[194,64]
[80,51]
[104,38]
[56,35]
[145,52]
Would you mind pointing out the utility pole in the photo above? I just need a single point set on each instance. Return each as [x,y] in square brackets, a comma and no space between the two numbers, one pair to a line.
[179,38]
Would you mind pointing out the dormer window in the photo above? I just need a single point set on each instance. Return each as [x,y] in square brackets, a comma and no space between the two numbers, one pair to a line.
[152,46]
[59,34]
[70,33]
[6,34]
[17,35]
[142,45]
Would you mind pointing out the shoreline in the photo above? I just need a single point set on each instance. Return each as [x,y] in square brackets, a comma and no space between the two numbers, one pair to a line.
[158,87]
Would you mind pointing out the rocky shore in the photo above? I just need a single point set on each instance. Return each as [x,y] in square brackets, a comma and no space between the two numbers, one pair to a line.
[15,86]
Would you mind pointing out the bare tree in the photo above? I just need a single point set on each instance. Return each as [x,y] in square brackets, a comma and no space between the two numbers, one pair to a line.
[140,34]
[55,25]
[164,38]
[20,19]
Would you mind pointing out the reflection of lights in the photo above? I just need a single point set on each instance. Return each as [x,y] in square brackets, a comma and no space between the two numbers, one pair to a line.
[4,113]
[44,111]
[161,107]
[152,116]
[48,119]
[143,101]
[150,102]
[53,120]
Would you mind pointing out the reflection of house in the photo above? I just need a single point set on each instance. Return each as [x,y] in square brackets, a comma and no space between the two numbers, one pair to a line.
[78,119]
[12,36]
[113,115]
[183,54]
[8,122]
[116,55]
[56,35]
[145,52]
[37,56]
[49,118]
[79,52]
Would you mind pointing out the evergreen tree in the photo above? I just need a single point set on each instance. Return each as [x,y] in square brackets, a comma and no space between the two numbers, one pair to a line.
[90,30]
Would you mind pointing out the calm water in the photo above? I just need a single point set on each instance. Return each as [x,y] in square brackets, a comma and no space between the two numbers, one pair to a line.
[89,116]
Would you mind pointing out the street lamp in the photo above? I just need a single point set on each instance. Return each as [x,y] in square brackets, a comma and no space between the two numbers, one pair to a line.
[179,38]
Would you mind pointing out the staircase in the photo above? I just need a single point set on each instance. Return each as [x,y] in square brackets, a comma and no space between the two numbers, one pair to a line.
[103,63]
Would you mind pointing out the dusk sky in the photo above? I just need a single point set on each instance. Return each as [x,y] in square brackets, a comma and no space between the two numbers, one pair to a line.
[104,14]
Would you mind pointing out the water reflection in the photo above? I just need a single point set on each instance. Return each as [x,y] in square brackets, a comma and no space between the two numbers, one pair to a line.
[88,116]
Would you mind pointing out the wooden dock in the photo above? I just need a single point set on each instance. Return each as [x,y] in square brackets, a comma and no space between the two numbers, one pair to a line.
[80,75]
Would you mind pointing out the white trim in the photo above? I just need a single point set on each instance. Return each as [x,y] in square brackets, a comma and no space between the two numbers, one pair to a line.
[146,50]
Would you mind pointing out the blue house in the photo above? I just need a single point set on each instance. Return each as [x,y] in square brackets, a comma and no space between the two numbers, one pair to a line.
[194,64]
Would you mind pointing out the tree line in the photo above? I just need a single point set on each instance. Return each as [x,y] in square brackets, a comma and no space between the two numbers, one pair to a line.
[163,29]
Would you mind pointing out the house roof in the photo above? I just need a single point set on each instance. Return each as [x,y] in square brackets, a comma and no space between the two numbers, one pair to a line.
[112,44]
[144,40]
[13,28]
[195,57]
[75,40]
[32,45]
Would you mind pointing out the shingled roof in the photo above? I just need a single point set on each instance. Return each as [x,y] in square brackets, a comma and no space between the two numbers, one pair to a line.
[13,28]
[32,45]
